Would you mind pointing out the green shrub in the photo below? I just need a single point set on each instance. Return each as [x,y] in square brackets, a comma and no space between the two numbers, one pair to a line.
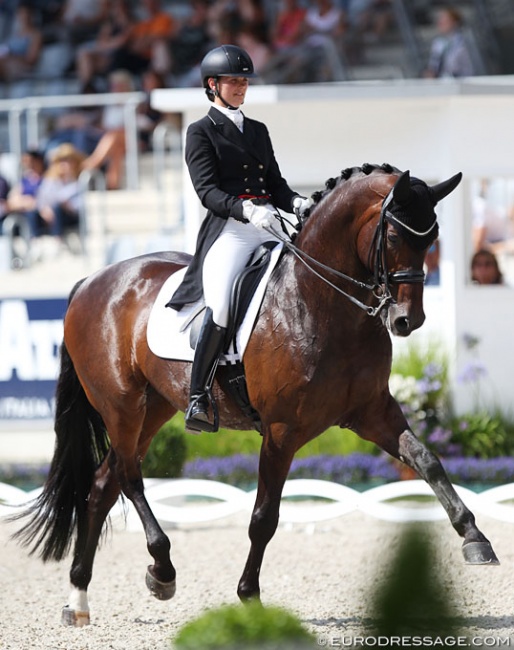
[244,626]
[335,441]
[483,435]
[168,451]
[426,605]
[414,358]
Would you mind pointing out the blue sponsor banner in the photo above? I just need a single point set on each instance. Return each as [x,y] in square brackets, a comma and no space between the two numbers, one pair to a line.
[30,338]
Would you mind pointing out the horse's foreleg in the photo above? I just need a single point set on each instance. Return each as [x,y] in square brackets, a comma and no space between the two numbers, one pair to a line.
[476,547]
[273,469]
[103,495]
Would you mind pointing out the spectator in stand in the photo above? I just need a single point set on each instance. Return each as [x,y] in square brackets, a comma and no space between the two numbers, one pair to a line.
[58,198]
[95,57]
[82,19]
[147,45]
[20,53]
[4,203]
[259,50]
[449,53]
[485,268]
[325,26]
[80,126]
[48,14]
[110,149]
[492,219]
[285,40]
[189,45]
[7,11]
[147,117]
[226,18]
[318,56]
[288,29]
[22,197]
[22,201]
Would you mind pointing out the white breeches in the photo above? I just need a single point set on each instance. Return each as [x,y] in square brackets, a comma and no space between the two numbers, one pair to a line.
[225,259]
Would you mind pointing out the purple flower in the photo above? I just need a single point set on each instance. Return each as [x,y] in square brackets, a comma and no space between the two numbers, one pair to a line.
[470,341]
[433,370]
[439,436]
[472,372]
[426,385]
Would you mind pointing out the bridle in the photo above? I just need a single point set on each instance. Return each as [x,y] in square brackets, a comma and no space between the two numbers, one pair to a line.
[381,273]
[382,278]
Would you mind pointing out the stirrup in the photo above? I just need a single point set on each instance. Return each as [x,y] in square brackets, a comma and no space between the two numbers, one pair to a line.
[199,421]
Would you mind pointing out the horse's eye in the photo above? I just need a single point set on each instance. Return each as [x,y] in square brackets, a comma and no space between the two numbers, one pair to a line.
[392,237]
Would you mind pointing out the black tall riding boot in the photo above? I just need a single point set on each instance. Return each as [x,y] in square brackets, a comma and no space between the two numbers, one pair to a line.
[207,352]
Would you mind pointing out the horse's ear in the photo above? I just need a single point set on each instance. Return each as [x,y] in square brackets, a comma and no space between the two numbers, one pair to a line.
[402,189]
[442,189]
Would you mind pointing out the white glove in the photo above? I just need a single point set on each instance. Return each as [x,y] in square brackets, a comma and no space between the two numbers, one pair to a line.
[301,205]
[259,215]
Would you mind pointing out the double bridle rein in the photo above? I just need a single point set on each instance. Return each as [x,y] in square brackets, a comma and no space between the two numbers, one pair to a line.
[382,278]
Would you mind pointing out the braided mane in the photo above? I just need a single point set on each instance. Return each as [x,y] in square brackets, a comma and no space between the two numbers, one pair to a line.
[330,183]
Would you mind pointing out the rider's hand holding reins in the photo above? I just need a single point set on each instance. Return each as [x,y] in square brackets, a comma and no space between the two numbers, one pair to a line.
[301,205]
[259,215]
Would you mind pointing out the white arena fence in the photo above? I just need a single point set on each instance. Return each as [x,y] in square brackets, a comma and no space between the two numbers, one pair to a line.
[305,501]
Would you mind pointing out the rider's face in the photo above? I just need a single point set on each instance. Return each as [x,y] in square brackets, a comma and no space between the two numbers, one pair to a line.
[232,89]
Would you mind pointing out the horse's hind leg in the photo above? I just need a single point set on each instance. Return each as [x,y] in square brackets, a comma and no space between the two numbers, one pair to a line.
[103,495]
[476,547]
[160,577]
[130,449]
[120,471]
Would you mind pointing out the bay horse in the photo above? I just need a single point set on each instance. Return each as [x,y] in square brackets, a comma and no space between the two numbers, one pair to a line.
[320,355]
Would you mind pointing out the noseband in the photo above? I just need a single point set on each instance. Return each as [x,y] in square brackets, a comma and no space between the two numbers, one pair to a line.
[382,278]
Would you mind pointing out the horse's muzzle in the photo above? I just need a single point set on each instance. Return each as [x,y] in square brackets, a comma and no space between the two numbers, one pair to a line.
[403,321]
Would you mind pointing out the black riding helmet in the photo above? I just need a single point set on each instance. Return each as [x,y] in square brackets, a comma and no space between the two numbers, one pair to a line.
[225,61]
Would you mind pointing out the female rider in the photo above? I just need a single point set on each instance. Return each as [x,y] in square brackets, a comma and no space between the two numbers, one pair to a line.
[234,172]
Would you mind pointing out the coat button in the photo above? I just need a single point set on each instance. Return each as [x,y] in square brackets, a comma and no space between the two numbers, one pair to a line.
[246,180]
[261,180]
[248,190]
[263,190]
[245,166]
[261,166]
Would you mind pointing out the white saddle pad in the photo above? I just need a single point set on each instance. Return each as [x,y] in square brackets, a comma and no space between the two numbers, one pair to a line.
[168,330]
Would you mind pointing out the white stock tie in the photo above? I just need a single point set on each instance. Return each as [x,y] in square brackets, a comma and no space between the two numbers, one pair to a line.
[238,120]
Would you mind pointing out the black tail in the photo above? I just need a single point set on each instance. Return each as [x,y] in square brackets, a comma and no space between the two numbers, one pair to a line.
[81,445]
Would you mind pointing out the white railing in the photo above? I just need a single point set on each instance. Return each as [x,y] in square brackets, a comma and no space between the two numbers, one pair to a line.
[314,501]
[28,109]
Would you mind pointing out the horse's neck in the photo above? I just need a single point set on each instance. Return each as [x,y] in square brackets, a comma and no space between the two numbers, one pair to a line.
[331,241]
[319,328]
[309,299]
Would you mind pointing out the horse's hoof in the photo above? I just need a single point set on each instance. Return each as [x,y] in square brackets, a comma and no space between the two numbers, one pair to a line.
[479,553]
[161,590]
[74,618]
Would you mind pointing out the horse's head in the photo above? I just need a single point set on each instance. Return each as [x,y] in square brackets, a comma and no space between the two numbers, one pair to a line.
[406,227]
[370,231]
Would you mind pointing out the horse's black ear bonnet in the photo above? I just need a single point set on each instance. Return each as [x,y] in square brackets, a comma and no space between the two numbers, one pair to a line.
[412,213]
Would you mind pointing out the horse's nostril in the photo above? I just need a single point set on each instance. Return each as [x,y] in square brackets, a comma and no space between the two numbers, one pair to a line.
[402,325]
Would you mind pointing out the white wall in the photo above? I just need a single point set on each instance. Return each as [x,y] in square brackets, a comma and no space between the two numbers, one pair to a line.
[434,129]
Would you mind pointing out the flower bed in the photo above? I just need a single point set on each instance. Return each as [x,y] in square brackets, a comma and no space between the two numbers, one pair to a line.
[349,470]
[357,469]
